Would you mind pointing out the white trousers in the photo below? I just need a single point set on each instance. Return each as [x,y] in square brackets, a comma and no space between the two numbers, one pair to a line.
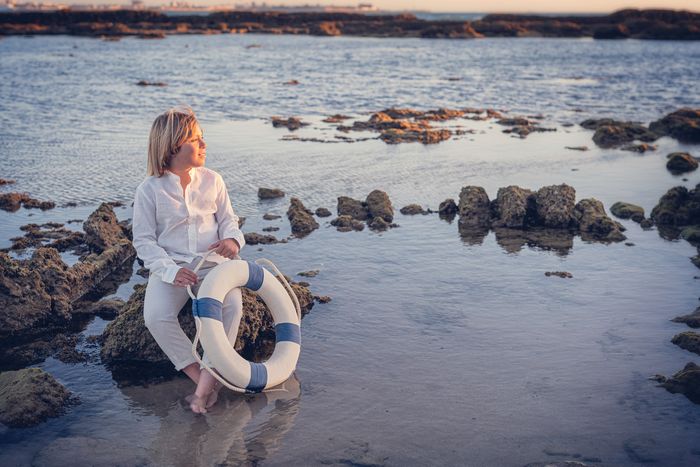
[164,301]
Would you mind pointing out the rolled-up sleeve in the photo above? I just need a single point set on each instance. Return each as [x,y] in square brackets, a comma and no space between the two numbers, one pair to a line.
[155,258]
[225,217]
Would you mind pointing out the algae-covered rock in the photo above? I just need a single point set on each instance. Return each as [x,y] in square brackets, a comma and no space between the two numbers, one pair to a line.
[30,396]
[353,208]
[347,223]
[683,125]
[620,133]
[594,224]
[413,210]
[300,218]
[379,205]
[270,193]
[448,209]
[555,206]
[680,162]
[688,340]
[627,211]
[474,209]
[514,207]
[686,382]
[678,207]
[691,319]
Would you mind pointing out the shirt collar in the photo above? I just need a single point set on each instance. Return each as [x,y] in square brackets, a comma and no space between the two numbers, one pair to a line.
[175,176]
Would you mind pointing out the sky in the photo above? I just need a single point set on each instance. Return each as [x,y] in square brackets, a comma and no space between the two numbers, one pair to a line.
[480,6]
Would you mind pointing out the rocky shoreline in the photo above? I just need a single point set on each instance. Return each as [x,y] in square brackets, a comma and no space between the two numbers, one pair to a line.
[624,24]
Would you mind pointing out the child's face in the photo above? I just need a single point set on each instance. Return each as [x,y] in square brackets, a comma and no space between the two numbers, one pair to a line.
[193,153]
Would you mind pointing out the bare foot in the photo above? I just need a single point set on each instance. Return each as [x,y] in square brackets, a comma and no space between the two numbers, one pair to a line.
[214,395]
[197,404]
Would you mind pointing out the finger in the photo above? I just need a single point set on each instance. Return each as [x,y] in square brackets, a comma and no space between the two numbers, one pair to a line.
[213,245]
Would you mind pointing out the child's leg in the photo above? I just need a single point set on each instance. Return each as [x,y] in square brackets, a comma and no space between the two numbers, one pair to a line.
[161,306]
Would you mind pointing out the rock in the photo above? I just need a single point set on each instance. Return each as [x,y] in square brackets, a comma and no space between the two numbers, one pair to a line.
[686,382]
[555,205]
[688,340]
[562,274]
[291,123]
[128,346]
[680,162]
[577,148]
[627,211]
[474,209]
[102,229]
[646,224]
[151,83]
[270,217]
[515,121]
[379,224]
[106,308]
[514,207]
[12,201]
[412,210]
[683,125]
[4,181]
[337,118]
[270,193]
[300,218]
[313,273]
[322,298]
[594,224]
[448,209]
[29,397]
[347,223]
[678,208]
[692,319]
[323,212]
[379,205]
[611,133]
[415,135]
[270,229]
[640,148]
[353,208]
[691,234]
[252,238]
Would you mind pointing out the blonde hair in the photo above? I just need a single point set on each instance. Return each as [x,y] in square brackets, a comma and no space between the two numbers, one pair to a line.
[169,132]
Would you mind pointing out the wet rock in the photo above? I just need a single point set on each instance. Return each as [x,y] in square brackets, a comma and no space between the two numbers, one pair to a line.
[29,397]
[323,212]
[107,308]
[514,207]
[102,229]
[405,125]
[577,148]
[611,133]
[322,298]
[555,206]
[353,208]
[291,123]
[627,211]
[415,135]
[379,224]
[691,234]
[252,238]
[379,205]
[646,224]
[448,209]
[347,223]
[680,162]
[129,349]
[688,340]
[270,229]
[151,83]
[270,193]
[313,273]
[337,118]
[270,217]
[640,148]
[300,218]
[686,382]
[594,224]
[562,274]
[692,319]
[412,210]
[683,125]
[4,181]
[12,201]
[291,82]
[514,121]
[678,208]
[474,209]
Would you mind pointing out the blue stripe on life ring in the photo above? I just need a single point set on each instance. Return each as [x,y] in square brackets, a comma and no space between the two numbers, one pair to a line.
[256,274]
[258,377]
[207,308]
[288,332]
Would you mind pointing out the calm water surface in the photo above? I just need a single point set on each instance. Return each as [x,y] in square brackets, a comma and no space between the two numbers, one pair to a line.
[434,351]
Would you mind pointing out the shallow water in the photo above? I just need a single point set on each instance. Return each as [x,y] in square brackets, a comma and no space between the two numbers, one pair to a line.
[433,351]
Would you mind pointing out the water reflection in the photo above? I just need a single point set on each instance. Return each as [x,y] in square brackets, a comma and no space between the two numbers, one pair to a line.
[560,241]
[240,429]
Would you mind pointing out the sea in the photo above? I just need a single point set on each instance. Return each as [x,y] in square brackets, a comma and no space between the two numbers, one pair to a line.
[435,349]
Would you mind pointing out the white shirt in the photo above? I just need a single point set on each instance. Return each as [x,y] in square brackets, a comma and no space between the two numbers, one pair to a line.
[170,225]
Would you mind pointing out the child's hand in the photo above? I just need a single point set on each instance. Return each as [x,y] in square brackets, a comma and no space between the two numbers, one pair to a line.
[228,248]
[185,277]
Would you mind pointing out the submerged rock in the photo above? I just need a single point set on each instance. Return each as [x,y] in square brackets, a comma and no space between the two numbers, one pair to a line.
[688,340]
[562,274]
[640,148]
[323,212]
[680,162]
[253,238]
[29,397]
[270,193]
[12,202]
[347,223]
[379,205]
[683,125]
[686,382]
[413,210]
[627,211]
[300,218]
[291,123]
[612,133]
[692,319]
[270,217]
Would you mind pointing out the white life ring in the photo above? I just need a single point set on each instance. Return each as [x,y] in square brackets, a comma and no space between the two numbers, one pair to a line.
[234,371]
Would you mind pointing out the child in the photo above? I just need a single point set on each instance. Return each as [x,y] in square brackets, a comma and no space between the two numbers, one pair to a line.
[181,211]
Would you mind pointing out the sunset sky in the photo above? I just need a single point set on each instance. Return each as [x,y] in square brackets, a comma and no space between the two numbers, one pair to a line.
[463,5]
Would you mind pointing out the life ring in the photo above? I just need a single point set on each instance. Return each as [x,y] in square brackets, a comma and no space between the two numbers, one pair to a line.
[232,370]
